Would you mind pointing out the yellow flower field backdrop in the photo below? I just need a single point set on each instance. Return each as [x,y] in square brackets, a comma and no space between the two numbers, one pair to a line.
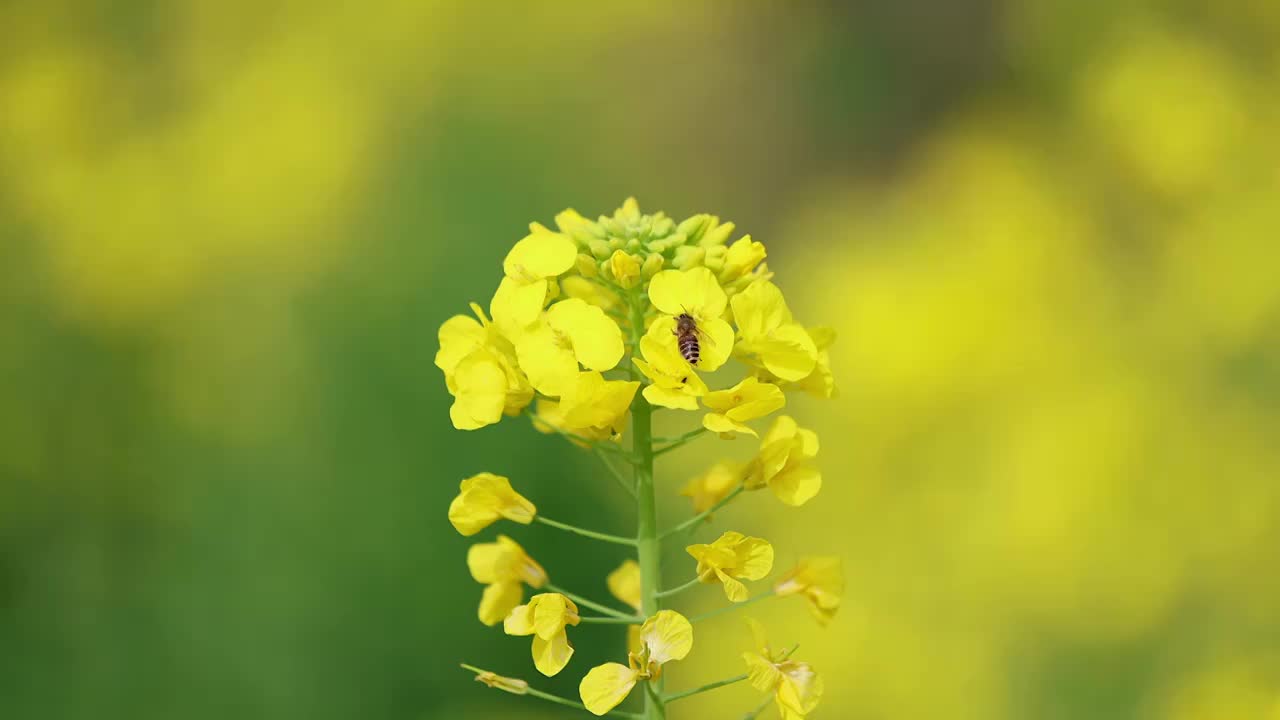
[1047,236]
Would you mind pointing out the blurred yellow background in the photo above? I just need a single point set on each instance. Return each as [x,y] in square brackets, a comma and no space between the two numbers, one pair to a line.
[1048,234]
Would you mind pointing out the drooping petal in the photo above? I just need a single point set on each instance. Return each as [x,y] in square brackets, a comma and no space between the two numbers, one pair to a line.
[759,310]
[606,686]
[484,498]
[668,398]
[755,558]
[480,391]
[761,672]
[458,336]
[724,425]
[553,613]
[797,486]
[734,590]
[498,600]
[668,635]
[788,352]
[694,291]
[624,583]
[519,621]
[550,655]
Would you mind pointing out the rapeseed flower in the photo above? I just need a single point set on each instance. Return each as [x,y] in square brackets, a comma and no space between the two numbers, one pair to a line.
[484,499]
[481,372]
[768,336]
[820,580]
[748,400]
[545,617]
[666,636]
[782,463]
[571,332]
[504,568]
[624,583]
[697,293]
[730,557]
[796,688]
[713,485]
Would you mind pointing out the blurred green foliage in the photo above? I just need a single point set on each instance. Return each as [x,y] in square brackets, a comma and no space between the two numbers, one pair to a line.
[229,231]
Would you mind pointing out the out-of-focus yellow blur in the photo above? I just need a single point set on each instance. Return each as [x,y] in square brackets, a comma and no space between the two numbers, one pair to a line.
[1048,236]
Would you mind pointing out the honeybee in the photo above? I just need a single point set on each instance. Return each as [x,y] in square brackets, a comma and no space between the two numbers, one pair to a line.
[689,337]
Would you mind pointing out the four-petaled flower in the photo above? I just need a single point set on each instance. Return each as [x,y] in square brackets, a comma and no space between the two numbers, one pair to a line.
[545,617]
[782,463]
[484,499]
[795,686]
[480,371]
[820,580]
[769,337]
[504,568]
[568,333]
[696,293]
[732,556]
[748,400]
[666,636]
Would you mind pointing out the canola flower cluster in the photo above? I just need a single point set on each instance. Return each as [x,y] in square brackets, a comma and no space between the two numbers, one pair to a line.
[588,334]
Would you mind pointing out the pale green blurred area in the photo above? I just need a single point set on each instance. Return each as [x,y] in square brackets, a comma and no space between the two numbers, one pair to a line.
[1048,234]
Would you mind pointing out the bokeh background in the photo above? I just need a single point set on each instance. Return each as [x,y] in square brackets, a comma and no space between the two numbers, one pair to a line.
[1048,233]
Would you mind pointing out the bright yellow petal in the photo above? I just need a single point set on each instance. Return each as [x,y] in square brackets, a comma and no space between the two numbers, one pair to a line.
[549,364]
[484,498]
[624,583]
[498,600]
[606,686]
[788,352]
[553,612]
[742,257]
[624,268]
[694,291]
[717,343]
[761,673]
[595,337]
[798,485]
[668,635]
[733,590]
[755,559]
[480,391]
[490,563]
[550,655]
[712,486]
[759,310]
[717,423]
[592,401]
[667,398]
[519,621]
[515,306]
[459,335]
[540,255]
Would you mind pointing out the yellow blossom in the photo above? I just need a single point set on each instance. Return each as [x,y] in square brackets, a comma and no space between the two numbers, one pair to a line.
[480,372]
[530,269]
[545,617]
[714,485]
[769,337]
[742,257]
[506,684]
[732,556]
[820,383]
[747,400]
[485,498]
[624,583]
[820,580]
[591,292]
[795,686]
[589,402]
[666,636]
[570,332]
[503,567]
[623,268]
[697,293]
[673,384]
[782,463]
[549,418]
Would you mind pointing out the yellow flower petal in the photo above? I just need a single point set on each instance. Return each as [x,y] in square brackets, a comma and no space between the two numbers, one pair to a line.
[624,268]
[550,655]
[504,561]
[769,335]
[761,672]
[731,556]
[800,690]
[595,339]
[519,621]
[820,580]
[667,398]
[540,255]
[743,257]
[459,335]
[624,583]
[552,613]
[592,401]
[485,498]
[498,600]
[606,686]
[479,391]
[716,343]
[547,361]
[714,485]
[760,309]
[734,590]
[797,486]
[668,635]
[693,291]
[723,424]
[747,400]
[515,306]
[787,352]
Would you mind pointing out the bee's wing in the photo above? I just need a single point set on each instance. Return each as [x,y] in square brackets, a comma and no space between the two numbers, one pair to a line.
[703,336]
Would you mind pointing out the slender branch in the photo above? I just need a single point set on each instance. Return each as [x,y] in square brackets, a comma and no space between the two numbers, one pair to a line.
[627,483]
[594,605]
[611,620]
[703,515]
[603,537]
[678,442]
[555,698]
[709,686]
[731,608]
[674,590]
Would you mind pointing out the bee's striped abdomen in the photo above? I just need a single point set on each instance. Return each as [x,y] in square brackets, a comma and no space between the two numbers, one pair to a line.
[689,348]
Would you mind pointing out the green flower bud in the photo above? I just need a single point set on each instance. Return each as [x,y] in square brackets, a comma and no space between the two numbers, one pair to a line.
[652,264]
[689,256]
[585,265]
[600,248]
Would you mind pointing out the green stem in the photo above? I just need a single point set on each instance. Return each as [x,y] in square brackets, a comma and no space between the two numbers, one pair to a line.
[612,620]
[669,444]
[730,608]
[703,515]
[674,590]
[593,605]
[556,698]
[705,688]
[752,715]
[648,546]
[604,537]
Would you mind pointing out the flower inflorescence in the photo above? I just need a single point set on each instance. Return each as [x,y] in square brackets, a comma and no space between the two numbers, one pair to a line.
[593,327]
